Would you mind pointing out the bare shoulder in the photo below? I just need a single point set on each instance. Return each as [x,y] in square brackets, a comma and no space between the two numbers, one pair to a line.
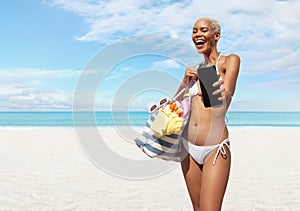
[232,62]
[232,58]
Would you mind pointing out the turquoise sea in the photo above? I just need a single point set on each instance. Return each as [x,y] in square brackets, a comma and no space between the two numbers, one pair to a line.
[65,119]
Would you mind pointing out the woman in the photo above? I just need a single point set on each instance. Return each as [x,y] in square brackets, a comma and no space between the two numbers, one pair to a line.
[206,147]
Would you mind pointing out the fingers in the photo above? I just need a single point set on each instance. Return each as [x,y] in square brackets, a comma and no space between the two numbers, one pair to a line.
[218,83]
[190,74]
[219,91]
[221,98]
[222,92]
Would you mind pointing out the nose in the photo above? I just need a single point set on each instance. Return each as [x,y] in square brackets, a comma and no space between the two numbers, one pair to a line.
[198,33]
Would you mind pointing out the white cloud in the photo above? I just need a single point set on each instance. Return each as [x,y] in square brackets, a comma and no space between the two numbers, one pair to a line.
[249,27]
[21,97]
[291,84]
[35,89]
[263,32]
[32,74]
[165,64]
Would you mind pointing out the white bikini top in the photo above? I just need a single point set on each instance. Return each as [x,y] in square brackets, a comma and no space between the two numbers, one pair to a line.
[193,91]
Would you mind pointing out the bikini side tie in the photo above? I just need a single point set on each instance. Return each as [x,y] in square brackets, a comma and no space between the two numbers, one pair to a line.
[221,149]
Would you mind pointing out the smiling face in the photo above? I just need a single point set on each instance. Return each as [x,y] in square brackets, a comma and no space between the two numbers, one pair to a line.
[205,36]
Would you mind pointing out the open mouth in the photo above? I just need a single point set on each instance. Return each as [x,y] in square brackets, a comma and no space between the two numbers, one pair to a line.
[199,43]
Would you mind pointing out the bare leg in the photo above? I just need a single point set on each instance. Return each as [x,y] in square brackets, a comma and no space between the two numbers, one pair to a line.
[192,174]
[214,181]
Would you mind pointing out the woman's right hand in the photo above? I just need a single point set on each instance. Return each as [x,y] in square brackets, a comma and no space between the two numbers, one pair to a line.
[190,74]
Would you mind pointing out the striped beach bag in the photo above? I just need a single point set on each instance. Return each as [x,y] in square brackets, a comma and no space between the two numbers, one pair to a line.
[154,143]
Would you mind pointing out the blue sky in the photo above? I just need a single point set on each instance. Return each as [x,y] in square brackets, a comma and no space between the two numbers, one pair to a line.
[46,45]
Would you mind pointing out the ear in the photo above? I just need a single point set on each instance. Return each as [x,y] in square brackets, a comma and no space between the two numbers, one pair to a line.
[217,36]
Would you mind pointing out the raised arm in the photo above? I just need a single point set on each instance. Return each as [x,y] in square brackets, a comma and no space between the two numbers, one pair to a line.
[188,76]
[232,66]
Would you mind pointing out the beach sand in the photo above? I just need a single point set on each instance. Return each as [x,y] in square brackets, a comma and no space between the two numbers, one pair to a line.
[45,168]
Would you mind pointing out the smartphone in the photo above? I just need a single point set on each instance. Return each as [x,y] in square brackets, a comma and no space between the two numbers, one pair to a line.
[207,77]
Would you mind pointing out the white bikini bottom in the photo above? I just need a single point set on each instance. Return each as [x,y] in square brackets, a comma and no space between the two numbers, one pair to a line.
[199,153]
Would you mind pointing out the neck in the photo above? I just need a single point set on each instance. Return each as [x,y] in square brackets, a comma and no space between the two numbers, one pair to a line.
[211,58]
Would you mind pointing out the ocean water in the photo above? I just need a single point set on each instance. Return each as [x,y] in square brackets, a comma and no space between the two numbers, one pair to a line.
[66,119]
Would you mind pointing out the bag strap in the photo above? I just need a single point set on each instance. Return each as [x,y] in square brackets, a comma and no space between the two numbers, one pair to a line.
[186,87]
[180,92]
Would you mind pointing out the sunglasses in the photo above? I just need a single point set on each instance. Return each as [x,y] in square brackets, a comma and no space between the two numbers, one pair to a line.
[155,107]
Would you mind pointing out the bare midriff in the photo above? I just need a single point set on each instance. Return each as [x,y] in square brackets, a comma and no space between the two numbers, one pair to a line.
[206,126]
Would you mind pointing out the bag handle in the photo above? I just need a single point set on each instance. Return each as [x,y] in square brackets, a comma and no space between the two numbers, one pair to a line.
[180,92]
[185,88]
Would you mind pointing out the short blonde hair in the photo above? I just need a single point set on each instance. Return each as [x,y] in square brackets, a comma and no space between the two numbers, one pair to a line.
[215,24]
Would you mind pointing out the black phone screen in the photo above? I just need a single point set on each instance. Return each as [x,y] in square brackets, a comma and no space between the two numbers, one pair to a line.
[207,77]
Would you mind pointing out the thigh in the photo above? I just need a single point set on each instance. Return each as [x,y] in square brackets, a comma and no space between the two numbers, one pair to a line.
[192,174]
[214,181]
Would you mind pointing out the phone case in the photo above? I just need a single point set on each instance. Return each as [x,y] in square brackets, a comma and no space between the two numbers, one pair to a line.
[207,77]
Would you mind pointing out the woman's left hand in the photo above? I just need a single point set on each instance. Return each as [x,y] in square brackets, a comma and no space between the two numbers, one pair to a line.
[221,90]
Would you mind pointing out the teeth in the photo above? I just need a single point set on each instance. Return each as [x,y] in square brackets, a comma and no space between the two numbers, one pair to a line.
[199,42]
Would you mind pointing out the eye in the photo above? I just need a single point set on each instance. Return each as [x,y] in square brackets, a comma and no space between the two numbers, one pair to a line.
[204,29]
[194,30]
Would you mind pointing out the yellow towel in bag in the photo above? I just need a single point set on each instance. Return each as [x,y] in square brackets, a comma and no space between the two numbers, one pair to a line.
[167,122]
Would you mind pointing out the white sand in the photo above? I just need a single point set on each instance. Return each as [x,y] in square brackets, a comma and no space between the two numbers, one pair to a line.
[45,168]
